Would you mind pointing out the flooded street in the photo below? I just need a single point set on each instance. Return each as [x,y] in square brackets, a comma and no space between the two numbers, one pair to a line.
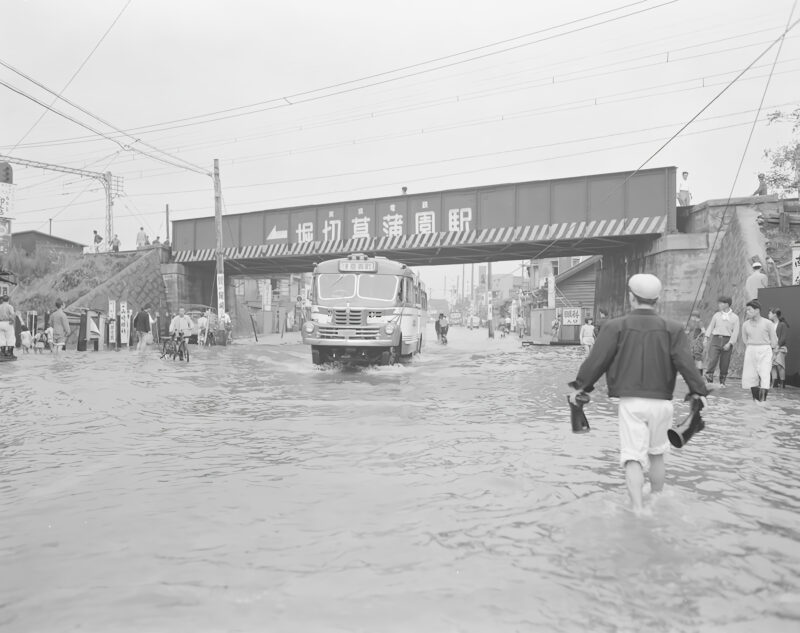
[250,491]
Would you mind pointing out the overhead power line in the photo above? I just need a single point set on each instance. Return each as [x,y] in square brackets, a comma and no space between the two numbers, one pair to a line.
[75,74]
[356,84]
[187,165]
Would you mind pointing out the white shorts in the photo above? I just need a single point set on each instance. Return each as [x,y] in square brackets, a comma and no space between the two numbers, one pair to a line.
[7,336]
[643,425]
[757,366]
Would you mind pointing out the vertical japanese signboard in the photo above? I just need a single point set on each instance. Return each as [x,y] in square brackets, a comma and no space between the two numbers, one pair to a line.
[796,264]
[112,322]
[6,207]
[220,294]
[124,322]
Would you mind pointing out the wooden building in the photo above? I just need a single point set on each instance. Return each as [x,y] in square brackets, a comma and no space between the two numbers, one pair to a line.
[33,242]
[575,289]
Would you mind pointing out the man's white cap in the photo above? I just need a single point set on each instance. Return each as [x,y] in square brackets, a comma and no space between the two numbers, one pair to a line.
[645,286]
[756,264]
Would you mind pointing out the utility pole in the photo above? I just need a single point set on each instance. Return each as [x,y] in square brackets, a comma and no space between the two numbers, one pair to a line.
[107,181]
[167,239]
[51,226]
[489,300]
[218,225]
[112,184]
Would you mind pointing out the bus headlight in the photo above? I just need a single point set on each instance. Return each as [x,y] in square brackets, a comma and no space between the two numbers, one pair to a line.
[389,328]
[308,327]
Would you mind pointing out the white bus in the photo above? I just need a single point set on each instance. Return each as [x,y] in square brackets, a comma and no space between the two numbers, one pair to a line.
[365,310]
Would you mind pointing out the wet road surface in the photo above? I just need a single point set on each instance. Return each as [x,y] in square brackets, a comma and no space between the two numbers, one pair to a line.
[250,491]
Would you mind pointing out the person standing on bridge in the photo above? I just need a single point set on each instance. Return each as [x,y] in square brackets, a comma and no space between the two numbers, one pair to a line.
[641,354]
[684,192]
[141,238]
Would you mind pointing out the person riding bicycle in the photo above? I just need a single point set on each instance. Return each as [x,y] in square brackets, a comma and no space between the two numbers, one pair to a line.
[181,324]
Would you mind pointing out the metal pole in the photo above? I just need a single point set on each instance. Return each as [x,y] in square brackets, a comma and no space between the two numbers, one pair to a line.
[218,226]
[167,224]
[489,300]
[51,226]
[109,208]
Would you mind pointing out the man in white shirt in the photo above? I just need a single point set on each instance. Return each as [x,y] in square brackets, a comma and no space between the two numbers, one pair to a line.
[141,238]
[722,333]
[756,280]
[181,324]
[684,193]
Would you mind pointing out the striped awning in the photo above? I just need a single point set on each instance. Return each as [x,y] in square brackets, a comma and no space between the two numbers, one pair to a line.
[544,233]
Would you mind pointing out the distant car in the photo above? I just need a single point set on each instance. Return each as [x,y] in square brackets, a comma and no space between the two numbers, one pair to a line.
[455,318]
[474,321]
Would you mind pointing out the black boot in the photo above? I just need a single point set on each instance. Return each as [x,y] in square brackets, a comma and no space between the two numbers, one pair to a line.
[783,384]
[754,391]
[762,394]
[722,380]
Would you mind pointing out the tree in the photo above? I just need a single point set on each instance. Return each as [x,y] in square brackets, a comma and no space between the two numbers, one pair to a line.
[783,175]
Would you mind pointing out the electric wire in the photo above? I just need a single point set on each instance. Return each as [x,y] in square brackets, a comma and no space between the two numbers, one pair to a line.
[297,98]
[71,79]
[778,40]
[305,125]
[739,167]
[189,166]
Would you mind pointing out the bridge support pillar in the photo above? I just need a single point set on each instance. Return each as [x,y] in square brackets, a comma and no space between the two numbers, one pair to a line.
[174,276]
[677,259]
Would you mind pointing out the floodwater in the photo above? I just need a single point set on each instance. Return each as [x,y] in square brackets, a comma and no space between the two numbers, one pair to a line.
[250,491]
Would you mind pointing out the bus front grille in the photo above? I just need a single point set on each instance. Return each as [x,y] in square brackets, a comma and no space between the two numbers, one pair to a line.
[347,317]
[352,334]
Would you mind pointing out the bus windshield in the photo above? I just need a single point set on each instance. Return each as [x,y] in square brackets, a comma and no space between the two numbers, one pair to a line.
[343,286]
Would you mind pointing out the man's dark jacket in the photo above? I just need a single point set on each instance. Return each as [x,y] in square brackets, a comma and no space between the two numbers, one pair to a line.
[641,354]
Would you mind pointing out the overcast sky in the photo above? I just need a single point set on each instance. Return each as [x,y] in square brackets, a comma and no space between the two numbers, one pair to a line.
[319,101]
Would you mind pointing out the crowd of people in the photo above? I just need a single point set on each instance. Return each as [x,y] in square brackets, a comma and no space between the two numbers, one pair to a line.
[54,337]
[641,354]
[142,241]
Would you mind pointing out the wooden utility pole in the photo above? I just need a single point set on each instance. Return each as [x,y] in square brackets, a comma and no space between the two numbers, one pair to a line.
[489,300]
[167,239]
[218,225]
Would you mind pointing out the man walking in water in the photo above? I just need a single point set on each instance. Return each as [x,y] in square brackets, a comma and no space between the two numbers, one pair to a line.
[8,338]
[758,334]
[60,324]
[641,354]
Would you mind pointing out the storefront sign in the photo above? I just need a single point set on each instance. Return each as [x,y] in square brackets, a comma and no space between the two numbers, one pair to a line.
[571,316]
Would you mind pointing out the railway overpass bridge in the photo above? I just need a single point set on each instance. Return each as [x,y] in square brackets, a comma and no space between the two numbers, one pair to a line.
[628,217]
[585,215]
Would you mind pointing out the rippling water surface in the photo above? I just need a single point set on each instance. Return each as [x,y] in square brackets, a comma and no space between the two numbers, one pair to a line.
[249,491]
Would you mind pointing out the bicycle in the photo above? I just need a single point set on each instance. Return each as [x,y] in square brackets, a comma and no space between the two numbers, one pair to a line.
[175,347]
